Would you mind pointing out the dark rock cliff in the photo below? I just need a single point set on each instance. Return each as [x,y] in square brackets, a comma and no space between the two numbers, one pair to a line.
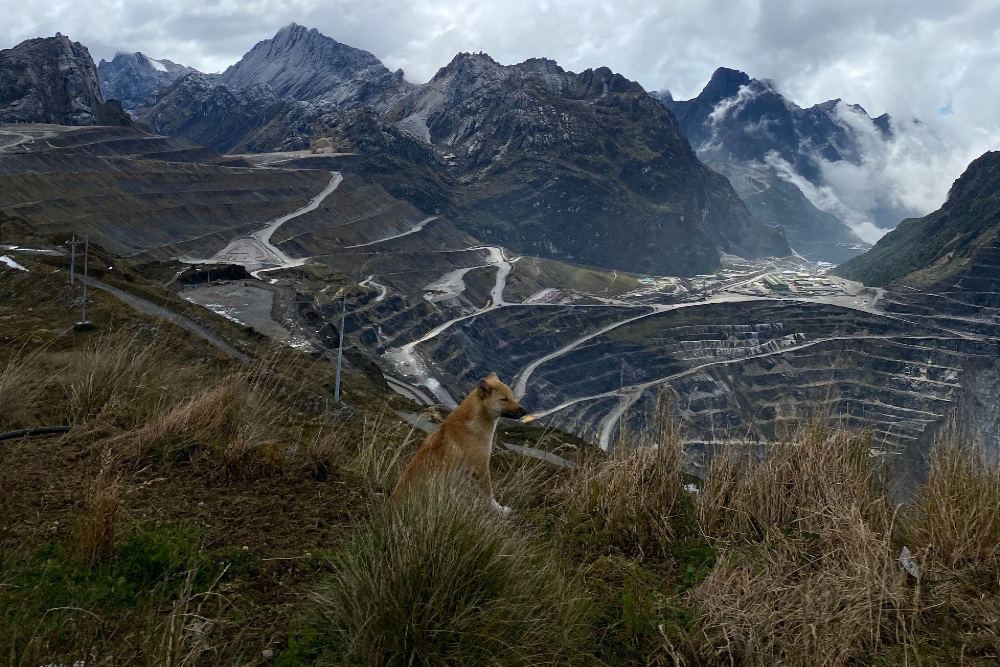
[53,80]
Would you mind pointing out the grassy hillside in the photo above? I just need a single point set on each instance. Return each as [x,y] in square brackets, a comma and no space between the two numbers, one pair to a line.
[932,250]
[207,511]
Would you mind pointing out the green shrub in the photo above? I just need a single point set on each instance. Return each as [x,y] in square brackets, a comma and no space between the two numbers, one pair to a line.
[440,578]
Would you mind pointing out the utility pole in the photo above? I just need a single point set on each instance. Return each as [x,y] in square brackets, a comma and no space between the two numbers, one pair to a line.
[72,259]
[86,256]
[340,350]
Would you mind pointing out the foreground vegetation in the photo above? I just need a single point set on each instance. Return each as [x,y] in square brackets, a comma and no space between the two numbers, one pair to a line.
[203,511]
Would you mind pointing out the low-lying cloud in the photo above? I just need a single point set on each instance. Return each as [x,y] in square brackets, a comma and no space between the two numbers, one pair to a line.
[906,175]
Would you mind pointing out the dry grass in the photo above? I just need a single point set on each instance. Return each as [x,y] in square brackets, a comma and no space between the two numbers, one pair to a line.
[635,495]
[953,529]
[232,425]
[95,534]
[796,481]
[807,573]
[327,449]
[122,377]
[957,512]
[382,452]
[439,578]
[21,387]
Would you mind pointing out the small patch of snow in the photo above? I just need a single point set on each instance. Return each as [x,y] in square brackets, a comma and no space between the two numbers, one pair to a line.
[4,259]
[157,65]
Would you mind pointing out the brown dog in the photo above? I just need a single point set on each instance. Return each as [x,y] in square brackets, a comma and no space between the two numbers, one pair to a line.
[465,438]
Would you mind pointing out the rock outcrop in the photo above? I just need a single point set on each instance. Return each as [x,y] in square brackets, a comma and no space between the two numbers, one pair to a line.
[219,117]
[302,64]
[53,80]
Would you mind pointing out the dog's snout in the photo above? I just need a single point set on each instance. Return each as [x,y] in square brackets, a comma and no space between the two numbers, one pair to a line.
[514,413]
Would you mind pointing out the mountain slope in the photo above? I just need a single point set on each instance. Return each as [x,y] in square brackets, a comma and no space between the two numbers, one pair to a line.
[585,167]
[955,246]
[581,167]
[219,117]
[812,233]
[132,78]
[53,80]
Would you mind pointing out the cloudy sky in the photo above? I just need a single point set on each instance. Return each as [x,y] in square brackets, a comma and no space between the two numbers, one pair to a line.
[929,59]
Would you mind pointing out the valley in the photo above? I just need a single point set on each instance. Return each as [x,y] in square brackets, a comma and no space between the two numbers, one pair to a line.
[558,228]
[745,353]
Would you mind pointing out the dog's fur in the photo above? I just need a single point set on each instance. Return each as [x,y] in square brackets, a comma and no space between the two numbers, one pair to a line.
[465,439]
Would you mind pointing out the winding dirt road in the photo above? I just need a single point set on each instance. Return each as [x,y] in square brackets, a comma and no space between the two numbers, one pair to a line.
[255,252]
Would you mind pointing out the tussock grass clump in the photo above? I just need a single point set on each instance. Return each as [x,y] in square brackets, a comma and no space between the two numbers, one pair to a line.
[325,450]
[956,516]
[806,572]
[439,578]
[953,530]
[795,482]
[95,534]
[21,385]
[235,425]
[123,377]
[634,497]
[382,452]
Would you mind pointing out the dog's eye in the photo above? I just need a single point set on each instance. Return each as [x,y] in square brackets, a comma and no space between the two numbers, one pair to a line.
[505,400]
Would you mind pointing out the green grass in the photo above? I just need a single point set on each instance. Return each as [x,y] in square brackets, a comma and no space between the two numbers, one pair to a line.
[53,606]
[438,578]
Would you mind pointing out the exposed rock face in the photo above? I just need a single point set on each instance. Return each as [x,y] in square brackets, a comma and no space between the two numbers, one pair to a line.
[737,124]
[956,248]
[132,78]
[538,151]
[219,117]
[583,167]
[302,64]
[53,80]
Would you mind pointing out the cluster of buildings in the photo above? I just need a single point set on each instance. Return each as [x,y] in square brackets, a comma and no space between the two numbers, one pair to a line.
[801,282]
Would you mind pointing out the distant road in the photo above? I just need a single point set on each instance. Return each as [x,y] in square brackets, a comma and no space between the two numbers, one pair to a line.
[151,308]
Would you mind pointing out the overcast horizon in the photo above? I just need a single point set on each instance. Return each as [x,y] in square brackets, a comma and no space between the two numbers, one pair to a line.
[915,60]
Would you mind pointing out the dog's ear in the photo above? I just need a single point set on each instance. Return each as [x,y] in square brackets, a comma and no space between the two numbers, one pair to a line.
[492,376]
[484,387]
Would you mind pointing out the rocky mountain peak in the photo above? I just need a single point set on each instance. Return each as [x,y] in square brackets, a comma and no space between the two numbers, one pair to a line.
[303,64]
[53,80]
[724,83]
[469,71]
